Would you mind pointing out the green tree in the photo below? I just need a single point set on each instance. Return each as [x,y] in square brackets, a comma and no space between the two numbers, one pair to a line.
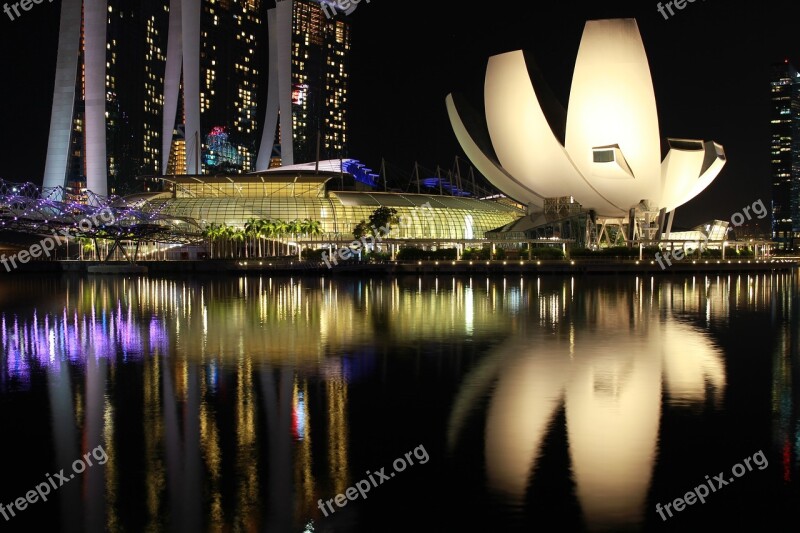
[251,230]
[361,229]
[281,228]
[238,236]
[383,217]
[313,227]
[210,234]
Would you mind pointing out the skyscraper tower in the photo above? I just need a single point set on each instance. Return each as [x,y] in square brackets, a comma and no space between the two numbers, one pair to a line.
[308,79]
[142,84]
[214,54]
[108,96]
[785,153]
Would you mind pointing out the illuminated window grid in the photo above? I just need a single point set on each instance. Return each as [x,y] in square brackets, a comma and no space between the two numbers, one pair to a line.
[340,220]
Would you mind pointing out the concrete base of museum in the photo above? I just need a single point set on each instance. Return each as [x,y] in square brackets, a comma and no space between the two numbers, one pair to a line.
[498,267]
[117,269]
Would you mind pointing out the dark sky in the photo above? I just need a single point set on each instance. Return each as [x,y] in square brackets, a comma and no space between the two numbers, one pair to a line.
[710,66]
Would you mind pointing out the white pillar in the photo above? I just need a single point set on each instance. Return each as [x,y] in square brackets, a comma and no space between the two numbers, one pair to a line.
[172,81]
[69,36]
[190,20]
[94,53]
[271,117]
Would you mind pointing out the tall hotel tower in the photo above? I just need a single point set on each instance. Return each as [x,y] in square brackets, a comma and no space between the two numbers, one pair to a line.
[785,153]
[308,79]
[157,86]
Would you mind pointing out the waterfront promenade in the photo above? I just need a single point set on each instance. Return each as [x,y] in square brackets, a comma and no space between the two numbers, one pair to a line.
[575,266]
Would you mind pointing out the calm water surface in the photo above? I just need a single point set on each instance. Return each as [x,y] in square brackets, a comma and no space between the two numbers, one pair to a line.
[502,404]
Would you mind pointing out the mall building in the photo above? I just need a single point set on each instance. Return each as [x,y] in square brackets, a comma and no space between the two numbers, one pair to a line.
[337,193]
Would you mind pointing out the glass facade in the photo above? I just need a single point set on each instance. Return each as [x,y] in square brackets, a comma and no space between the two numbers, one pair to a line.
[232,34]
[233,64]
[136,45]
[785,154]
[233,203]
[135,53]
[320,71]
[320,68]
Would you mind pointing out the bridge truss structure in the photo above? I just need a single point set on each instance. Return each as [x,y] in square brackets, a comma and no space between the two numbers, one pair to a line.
[27,208]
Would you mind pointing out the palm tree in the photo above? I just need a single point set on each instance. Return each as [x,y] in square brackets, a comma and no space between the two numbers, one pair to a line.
[267,231]
[313,227]
[228,232]
[223,237]
[84,245]
[259,235]
[238,235]
[295,229]
[251,231]
[217,234]
[210,234]
[281,227]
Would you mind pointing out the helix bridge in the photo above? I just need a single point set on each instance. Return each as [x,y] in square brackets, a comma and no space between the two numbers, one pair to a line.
[29,209]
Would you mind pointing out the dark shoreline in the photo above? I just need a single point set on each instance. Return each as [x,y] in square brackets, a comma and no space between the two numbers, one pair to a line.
[499,267]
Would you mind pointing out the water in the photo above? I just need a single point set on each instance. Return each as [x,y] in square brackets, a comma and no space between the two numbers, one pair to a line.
[503,404]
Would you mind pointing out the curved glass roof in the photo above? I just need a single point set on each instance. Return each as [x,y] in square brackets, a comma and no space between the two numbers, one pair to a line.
[422,216]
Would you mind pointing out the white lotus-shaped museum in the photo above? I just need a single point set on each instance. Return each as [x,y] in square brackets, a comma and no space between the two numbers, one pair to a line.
[605,151]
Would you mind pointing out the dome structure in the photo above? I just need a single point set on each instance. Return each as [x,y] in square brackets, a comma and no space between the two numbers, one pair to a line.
[604,150]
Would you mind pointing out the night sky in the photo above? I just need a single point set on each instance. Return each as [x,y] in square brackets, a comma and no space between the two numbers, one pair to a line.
[710,65]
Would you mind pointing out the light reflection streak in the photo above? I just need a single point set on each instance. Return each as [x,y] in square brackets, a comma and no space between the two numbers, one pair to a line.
[608,376]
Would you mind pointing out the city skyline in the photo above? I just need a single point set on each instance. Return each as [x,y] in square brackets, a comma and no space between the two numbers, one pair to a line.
[711,70]
[784,128]
[192,87]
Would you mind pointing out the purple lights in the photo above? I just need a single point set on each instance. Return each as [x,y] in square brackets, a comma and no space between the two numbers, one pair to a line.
[39,344]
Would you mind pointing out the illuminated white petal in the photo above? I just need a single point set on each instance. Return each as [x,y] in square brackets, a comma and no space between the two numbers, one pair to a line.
[496,175]
[712,166]
[680,170]
[612,102]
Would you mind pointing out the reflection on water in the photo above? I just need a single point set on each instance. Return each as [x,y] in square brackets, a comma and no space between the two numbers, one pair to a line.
[607,374]
[230,404]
